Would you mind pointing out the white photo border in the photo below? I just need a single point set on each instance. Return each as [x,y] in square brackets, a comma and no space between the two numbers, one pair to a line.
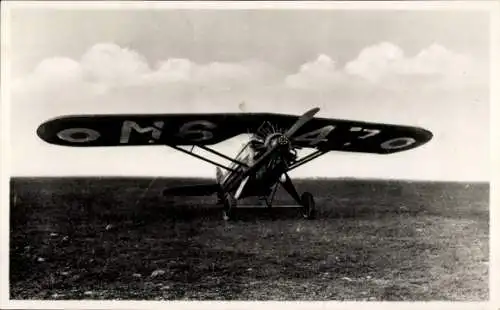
[494,273]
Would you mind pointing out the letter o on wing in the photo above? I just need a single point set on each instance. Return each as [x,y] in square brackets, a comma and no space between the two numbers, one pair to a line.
[78,135]
[397,143]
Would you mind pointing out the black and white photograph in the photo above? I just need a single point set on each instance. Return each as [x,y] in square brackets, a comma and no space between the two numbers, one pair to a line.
[247,152]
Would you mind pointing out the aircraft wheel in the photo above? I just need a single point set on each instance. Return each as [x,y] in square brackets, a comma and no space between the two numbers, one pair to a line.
[228,204]
[308,205]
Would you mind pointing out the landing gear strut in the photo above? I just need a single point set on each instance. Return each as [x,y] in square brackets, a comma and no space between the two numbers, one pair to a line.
[306,200]
[228,202]
[270,198]
[308,205]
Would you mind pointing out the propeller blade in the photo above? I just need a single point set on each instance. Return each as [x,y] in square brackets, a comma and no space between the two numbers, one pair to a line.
[306,117]
[270,152]
[298,124]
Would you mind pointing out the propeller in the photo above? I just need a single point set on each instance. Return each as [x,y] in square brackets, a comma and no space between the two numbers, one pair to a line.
[284,139]
[305,118]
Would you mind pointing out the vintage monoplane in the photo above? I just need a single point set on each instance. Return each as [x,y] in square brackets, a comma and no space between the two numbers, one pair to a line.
[261,165]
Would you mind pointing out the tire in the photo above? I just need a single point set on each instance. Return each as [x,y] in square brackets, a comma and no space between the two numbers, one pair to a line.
[308,206]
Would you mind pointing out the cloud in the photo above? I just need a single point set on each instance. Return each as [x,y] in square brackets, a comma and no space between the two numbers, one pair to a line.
[319,73]
[385,66]
[211,75]
[113,65]
[106,67]
[112,79]
[51,72]
[385,61]
[62,68]
[376,61]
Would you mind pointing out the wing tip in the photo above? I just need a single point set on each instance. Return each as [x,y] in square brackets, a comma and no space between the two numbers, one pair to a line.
[427,135]
[422,136]
[42,131]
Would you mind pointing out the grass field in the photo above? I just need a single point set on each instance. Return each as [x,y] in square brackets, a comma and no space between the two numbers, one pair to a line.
[372,240]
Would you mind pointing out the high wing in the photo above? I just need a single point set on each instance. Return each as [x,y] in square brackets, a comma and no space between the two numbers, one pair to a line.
[322,134]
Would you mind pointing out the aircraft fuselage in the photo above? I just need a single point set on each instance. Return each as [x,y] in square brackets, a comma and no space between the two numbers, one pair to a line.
[263,180]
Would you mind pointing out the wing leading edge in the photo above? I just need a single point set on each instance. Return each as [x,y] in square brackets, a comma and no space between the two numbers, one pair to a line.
[209,129]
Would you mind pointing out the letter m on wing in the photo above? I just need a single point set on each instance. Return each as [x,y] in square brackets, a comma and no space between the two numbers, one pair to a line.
[152,133]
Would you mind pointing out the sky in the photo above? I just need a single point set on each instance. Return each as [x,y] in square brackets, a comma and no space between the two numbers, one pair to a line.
[419,68]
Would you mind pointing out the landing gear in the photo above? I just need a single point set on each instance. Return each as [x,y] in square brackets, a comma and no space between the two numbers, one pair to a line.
[270,197]
[306,200]
[228,202]
[225,200]
[308,205]
[268,200]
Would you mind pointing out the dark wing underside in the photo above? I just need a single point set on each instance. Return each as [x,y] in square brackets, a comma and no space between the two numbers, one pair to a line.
[208,129]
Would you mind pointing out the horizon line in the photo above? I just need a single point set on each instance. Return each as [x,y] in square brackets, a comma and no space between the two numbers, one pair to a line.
[211,178]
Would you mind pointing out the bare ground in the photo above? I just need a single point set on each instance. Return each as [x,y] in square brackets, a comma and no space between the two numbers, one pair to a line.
[372,240]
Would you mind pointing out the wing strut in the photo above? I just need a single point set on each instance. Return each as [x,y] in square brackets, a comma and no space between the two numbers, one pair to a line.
[206,148]
[201,157]
[306,159]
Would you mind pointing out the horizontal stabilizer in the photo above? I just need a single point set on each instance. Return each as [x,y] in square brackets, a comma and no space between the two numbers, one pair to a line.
[192,190]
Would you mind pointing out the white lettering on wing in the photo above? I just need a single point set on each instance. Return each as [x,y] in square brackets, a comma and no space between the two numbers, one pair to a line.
[128,126]
[397,143]
[78,135]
